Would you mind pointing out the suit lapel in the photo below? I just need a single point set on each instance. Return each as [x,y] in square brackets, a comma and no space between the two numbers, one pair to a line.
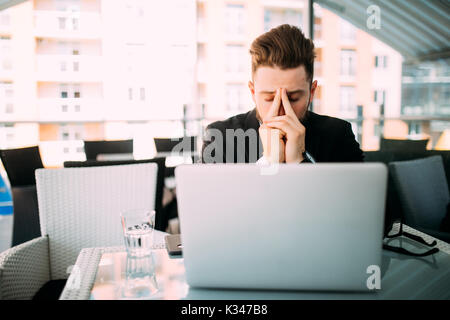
[312,138]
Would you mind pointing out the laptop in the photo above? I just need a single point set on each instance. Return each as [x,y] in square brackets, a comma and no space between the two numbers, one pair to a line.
[307,227]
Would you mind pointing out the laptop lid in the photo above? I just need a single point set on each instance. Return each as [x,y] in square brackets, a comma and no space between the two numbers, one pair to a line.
[309,226]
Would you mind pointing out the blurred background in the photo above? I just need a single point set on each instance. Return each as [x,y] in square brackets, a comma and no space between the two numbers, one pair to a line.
[83,70]
[75,70]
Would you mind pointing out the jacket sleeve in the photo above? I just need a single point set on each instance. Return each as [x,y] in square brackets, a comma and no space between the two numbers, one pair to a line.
[347,149]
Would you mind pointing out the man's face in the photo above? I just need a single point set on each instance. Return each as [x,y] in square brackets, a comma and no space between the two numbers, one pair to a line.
[267,80]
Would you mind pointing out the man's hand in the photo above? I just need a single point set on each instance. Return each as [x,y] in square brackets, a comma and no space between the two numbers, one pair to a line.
[272,138]
[291,128]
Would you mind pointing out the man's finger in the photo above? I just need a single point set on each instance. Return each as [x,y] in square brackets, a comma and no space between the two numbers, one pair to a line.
[278,118]
[287,104]
[292,122]
[275,105]
[282,126]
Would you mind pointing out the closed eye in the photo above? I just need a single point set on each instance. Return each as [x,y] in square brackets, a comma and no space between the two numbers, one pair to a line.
[292,100]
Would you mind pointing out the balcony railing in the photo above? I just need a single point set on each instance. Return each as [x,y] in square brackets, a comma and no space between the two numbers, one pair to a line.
[69,68]
[67,110]
[57,24]
[54,153]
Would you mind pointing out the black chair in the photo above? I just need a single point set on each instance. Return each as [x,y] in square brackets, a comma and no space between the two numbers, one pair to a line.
[394,212]
[166,145]
[394,145]
[388,156]
[20,165]
[423,193]
[94,148]
[161,219]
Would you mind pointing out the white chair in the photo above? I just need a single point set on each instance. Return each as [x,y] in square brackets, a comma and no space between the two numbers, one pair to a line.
[78,208]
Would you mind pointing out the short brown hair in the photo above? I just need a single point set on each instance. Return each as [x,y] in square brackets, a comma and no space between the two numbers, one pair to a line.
[285,47]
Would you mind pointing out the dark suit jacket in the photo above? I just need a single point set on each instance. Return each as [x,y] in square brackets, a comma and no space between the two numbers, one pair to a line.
[327,140]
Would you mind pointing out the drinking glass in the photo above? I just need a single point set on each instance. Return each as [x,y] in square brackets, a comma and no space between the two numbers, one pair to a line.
[140,278]
[138,228]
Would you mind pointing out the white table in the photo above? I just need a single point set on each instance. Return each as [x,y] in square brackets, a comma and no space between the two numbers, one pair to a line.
[102,273]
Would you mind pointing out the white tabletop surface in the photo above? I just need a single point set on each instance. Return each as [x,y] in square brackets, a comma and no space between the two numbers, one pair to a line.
[403,277]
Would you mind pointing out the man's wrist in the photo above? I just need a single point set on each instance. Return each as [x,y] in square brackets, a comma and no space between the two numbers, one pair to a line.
[303,158]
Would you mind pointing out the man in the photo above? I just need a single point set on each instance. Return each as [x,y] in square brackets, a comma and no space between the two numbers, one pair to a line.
[281,128]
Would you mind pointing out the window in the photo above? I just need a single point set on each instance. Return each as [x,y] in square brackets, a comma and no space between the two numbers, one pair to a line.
[140,11]
[348,101]
[64,108]
[76,90]
[10,136]
[348,31]
[348,62]
[136,55]
[71,132]
[130,93]
[235,19]
[75,48]
[7,64]
[77,108]
[9,108]
[414,128]
[63,66]
[70,90]
[317,28]
[5,19]
[134,9]
[76,66]
[5,53]
[62,23]
[236,58]
[9,92]
[62,47]
[379,97]
[75,24]
[276,17]
[381,62]
[142,94]
[6,97]
[6,90]
[236,97]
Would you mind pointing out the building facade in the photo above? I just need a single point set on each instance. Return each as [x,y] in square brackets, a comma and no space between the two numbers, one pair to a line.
[74,70]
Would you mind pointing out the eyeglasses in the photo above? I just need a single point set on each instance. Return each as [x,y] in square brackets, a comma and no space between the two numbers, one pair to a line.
[408,235]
